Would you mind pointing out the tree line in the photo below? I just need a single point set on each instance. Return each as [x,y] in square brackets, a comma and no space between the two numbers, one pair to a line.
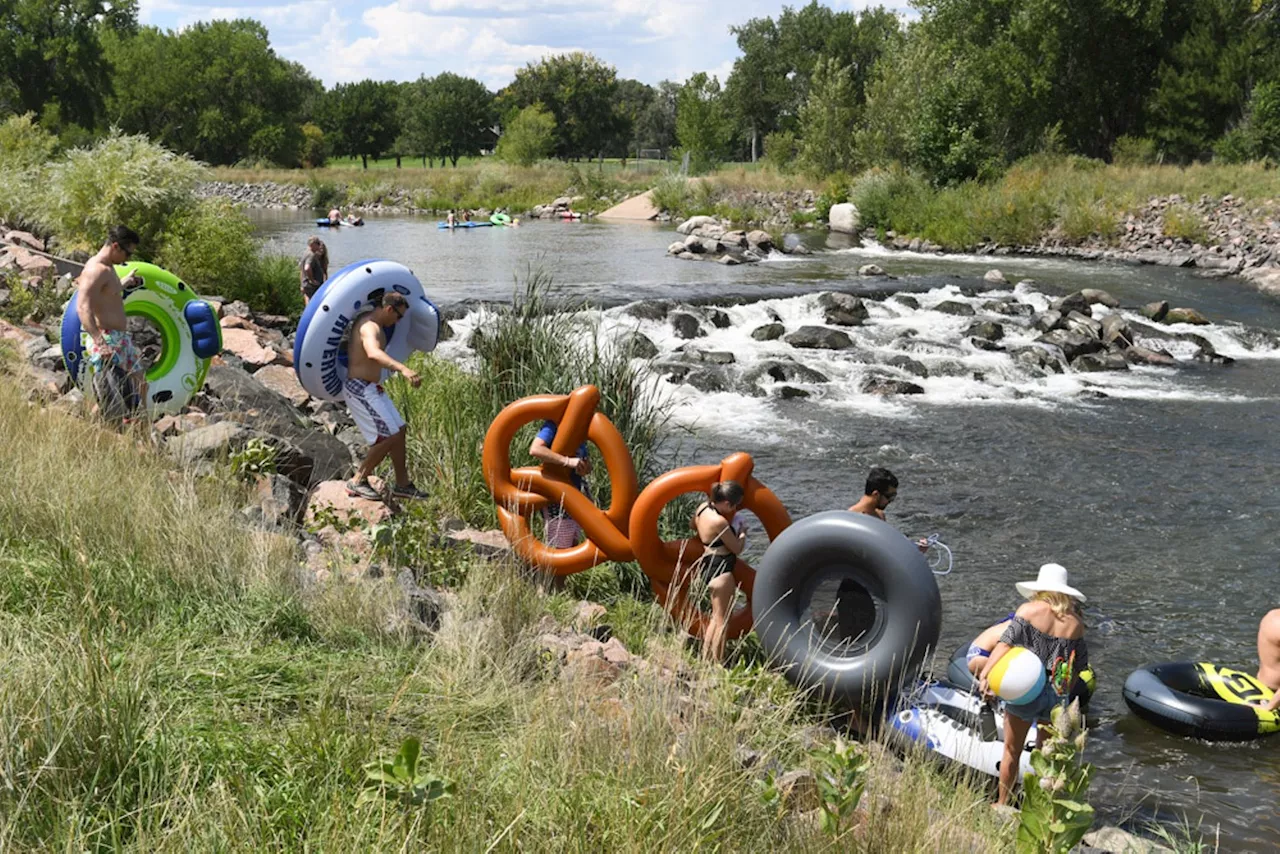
[956,93]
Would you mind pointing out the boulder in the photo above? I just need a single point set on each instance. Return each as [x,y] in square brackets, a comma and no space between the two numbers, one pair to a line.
[218,441]
[876,384]
[1102,361]
[870,270]
[330,497]
[242,398]
[819,338]
[1082,323]
[687,227]
[960,309]
[676,248]
[736,239]
[1042,359]
[843,309]
[50,358]
[705,357]
[907,300]
[986,329]
[719,319]
[37,266]
[1071,302]
[708,380]
[686,325]
[768,332]
[1155,310]
[1048,321]
[783,371]
[1149,356]
[1185,315]
[908,364]
[1009,308]
[996,279]
[1072,344]
[650,309]
[790,392]
[761,240]
[728,261]
[637,345]
[695,244]
[1115,330]
[843,218]
[244,344]
[1094,296]
[277,501]
[25,238]
[284,382]
[237,308]
[798,791]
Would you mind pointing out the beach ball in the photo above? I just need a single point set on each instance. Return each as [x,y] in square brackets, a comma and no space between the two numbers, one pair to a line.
[1018,677]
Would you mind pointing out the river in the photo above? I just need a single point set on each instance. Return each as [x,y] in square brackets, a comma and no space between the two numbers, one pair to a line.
[1155,487]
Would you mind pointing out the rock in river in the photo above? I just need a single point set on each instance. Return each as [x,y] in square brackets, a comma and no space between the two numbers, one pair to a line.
[819,338]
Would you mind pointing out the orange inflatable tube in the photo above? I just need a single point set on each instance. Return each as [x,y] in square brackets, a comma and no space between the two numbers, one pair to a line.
[668,564]
[521,492]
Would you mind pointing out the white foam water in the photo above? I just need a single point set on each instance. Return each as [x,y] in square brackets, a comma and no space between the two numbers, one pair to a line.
[896,343]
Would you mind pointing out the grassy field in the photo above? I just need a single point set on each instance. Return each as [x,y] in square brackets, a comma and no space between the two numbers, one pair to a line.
[173,683]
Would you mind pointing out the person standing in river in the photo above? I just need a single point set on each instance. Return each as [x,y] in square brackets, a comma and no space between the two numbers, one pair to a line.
[1269,657]
[368,403]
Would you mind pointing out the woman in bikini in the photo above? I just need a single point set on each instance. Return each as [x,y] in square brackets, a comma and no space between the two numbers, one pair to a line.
[721,546]
[1050,626]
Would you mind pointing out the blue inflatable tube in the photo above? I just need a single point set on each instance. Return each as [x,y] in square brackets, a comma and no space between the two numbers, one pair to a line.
[465,225]
[318,356]
[324,223]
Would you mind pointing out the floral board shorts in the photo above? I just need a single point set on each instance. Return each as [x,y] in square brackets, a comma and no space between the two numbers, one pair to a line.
[116,348]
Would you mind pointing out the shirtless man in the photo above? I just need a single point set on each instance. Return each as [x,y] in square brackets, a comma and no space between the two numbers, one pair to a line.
[1269,657]
[372,410]
[100,307]
[880,490]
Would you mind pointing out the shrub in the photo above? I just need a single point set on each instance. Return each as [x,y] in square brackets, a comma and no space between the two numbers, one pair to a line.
[528,137]
[1134,151]
[24,144]
[315,148]
[837,192]
[210,245]
[671,194]
[781,148]
[121,179]
[888,200]
[325,194]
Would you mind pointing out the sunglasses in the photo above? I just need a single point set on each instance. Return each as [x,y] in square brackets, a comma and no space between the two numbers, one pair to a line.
[400,312]
[127,250]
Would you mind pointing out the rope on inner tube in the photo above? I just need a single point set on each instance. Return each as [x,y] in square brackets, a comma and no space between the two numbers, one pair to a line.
[936,552]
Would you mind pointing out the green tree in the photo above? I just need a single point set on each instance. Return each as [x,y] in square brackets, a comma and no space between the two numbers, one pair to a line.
[701,125]
[315,148]
[528,137]
[464,115]
[1258,136]
[634,101]
[51,53]
[580,91]
[656,125]
[828,120]
[759,90]
[362,119]
[215,90]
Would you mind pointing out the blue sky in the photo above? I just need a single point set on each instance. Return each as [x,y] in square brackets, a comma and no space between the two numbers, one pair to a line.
[650,40]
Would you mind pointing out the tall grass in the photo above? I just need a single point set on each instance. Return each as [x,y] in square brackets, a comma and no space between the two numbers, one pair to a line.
[484,184]
[171,685]
[1073,197]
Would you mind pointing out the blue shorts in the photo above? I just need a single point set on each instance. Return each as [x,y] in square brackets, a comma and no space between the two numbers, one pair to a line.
[1039,707]
[975,651]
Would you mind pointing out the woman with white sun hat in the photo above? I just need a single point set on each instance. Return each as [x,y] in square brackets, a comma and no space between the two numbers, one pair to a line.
[1050,626]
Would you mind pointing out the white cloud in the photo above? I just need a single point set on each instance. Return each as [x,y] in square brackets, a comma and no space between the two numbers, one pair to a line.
[650,40]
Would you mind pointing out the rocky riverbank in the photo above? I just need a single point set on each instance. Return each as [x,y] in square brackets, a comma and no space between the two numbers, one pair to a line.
[1218,237]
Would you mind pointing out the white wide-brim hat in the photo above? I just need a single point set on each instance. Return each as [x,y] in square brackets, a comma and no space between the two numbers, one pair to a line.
[1053,578]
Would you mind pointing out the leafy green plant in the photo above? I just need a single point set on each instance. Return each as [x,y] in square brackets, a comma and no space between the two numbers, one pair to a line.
[1055,815]
[255,458]
[1182,223]
[403,779]
[25,301]
[1134,151]
[325,194]
[842,778]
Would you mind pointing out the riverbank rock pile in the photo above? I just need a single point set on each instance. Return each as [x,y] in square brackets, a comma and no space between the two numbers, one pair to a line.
[264,194]
[706,238]
[553,209]
[24,264]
